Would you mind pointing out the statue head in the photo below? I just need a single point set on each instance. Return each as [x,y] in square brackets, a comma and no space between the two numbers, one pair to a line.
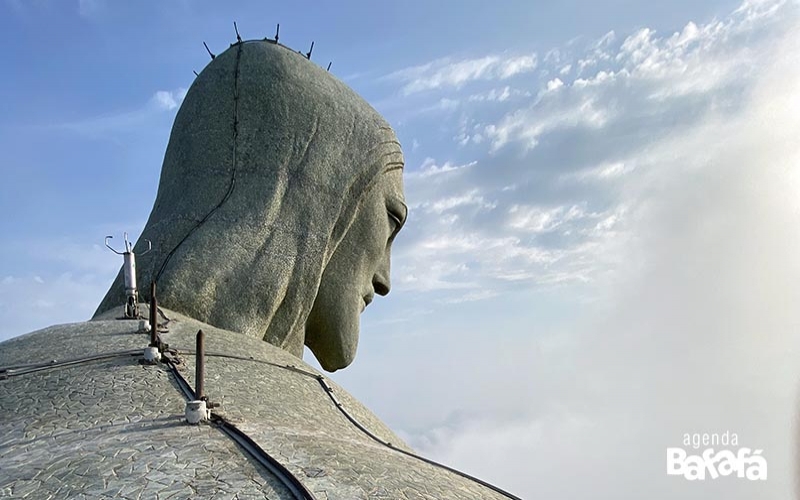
[280,194]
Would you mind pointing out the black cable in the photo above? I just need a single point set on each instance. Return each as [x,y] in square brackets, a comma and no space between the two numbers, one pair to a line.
[359,425]
[239,44]
[366,431]
[233,163]
[247,443]
[14,370]
[288,479]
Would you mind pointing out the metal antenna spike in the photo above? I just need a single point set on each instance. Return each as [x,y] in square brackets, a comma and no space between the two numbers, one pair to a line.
[329,66]
[195,73]
[235,28]
[200,366]
[308,54]
[153,315]
[209,51]
[277,32]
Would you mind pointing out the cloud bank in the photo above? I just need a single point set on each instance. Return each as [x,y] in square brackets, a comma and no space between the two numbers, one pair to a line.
[617,266]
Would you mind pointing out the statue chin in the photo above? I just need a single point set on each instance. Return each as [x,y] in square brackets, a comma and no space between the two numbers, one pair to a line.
[333,363]
[333,343]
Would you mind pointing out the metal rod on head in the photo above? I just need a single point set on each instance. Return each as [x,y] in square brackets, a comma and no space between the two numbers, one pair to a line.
[149,247]
[153,316]
[277,32]
[308,54]
[200,366]
[329,66]
[238,38]
[109,246]
[195,73]
[209,51]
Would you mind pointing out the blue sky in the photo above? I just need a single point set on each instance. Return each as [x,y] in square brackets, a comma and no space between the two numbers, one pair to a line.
[601,253]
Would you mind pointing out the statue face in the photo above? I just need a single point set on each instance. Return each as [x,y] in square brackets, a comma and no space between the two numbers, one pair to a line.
[357,270]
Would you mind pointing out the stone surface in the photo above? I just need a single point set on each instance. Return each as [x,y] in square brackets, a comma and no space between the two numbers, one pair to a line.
[111,429]
[114,427]
[274,173]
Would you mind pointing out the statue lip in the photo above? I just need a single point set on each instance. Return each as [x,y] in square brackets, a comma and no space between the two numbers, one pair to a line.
[368,299]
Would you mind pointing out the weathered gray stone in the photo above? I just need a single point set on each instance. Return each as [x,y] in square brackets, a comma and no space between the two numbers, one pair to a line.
[56,444]
[133,432]
[280,192]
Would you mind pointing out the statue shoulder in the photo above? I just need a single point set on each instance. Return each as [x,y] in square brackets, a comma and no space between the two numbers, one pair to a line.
[82,414]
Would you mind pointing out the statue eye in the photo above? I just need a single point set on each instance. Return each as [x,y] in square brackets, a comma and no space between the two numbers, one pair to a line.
[396,222]
[397,211]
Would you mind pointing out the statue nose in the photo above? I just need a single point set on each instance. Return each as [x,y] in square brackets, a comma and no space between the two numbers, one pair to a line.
[381,286]
[380,281]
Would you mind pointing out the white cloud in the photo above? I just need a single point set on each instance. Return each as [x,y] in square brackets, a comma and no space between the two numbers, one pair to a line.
[448,104]
[752,11]
[646,72]
[494,95]
[694,269]
[606,171]
[537,219]
[452,259]
[471,296]
[526,126]
[448,73]
[516,65]
[435,276]
[554,84]
[605,41]
[472,197]
[430,168]
[169,99]
[466,216]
